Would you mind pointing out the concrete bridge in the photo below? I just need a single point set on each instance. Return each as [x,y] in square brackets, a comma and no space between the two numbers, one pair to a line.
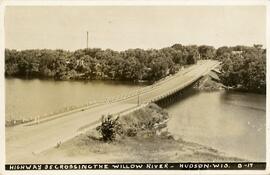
[26,140]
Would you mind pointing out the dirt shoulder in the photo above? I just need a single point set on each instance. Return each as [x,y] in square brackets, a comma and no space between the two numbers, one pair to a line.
[150,142]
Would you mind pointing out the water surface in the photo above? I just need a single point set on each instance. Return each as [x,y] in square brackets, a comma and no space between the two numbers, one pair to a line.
[232,122]
[28,98]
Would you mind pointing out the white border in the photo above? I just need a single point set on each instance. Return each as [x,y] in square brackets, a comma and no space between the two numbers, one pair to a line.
[4,3]
[2,90]
[132,2]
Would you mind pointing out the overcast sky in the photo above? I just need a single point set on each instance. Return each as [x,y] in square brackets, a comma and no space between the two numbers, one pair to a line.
[121,28]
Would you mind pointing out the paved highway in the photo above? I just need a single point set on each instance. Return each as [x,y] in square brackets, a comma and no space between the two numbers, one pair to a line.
[24,141]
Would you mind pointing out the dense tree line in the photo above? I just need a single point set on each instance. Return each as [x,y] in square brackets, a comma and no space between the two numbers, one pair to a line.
[243,67]
[94,63]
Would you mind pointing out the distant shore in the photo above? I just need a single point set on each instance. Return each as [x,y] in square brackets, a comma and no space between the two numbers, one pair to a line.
[243,67]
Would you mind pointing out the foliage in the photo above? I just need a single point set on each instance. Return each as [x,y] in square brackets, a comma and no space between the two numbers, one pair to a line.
[95,63]
[243,67]
[207,52]
[109,128]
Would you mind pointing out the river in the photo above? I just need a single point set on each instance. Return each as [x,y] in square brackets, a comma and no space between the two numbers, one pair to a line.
[228,121]
[28,98]
[231,122]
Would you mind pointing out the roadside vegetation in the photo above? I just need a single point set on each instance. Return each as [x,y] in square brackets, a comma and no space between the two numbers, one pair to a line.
[243,67]
[150,120]
[109,128]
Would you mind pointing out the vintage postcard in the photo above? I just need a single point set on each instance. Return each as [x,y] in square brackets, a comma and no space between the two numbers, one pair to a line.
[129,87]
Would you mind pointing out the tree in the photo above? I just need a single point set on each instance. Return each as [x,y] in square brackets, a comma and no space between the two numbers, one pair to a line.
[245,70]
[206,52]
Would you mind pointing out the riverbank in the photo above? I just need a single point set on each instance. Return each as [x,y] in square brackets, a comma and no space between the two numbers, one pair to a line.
[209,82]
[214,82]
[149,142]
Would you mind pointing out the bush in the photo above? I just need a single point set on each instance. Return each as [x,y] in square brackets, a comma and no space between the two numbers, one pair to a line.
[109,128]
[131,132]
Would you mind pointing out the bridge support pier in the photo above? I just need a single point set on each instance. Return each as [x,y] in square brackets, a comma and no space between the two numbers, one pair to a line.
[169,99]
[174,96]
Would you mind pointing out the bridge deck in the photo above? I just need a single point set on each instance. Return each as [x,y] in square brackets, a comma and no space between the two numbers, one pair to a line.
[24,141]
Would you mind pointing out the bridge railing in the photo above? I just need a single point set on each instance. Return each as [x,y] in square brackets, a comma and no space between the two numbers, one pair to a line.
[182,86]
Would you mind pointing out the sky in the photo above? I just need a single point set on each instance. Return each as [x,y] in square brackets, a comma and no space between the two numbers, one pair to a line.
[124,27]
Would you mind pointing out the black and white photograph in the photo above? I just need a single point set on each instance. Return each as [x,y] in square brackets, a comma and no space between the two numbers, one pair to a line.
[134,87]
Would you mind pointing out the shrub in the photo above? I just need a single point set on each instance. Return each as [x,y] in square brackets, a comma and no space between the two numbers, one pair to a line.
[131,132]
[109,128]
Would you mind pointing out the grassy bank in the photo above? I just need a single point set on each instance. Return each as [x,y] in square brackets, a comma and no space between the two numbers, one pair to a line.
[150,142]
